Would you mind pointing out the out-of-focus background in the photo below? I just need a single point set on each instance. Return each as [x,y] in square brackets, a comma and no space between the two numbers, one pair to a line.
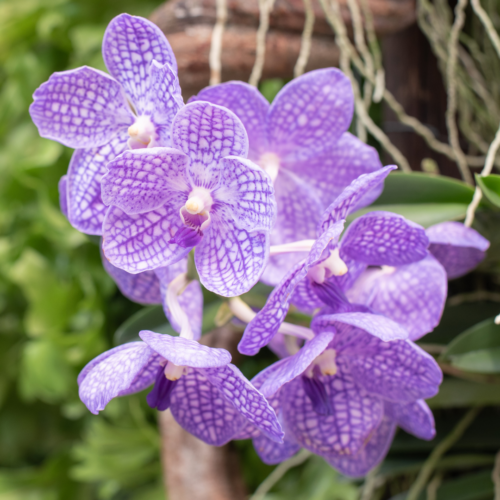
[59,309]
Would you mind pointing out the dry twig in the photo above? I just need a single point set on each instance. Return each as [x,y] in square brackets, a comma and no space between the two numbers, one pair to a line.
[216,45]
[305,47]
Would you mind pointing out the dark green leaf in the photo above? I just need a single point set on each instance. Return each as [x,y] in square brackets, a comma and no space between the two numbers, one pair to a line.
[481,361]
[490,186]
[456,393]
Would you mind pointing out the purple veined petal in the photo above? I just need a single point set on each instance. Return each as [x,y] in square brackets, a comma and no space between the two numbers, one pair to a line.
[143,287]
[129,46]
[246,399]
[185,352]
[415,418]
[380,327]
[159,397]
[200,408]
[304,297]
[278,345]
[80,108]
[310,113]
[63,195]
[207,133]
[272,453]
[355,416]
[230,260]
[334,168]
[327,241]
[85,207]
[248,104]
[119,371]
[413,296]
[384,238]
[369,456]
[245,195]
[397,371]
[353,196]
[141,180]
[355,269]
[293,366]
[164,99]
[266,324]
[298,213]
[141,242]
[458,248]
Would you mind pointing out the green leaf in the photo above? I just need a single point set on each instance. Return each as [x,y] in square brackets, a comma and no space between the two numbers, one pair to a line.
[425,214]
[456,393]
[417,187]
[482,336]
[270,88]
[490,186]
[149,318]
[481,361]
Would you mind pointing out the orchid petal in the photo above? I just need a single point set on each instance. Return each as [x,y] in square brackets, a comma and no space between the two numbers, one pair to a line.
[272,453]
[207,133]
[129,46]
[246,399]
[384,238]
[415,418]
[353,196]
[80,108]
[125,369]
[310,113]
[185,352]
[142,180]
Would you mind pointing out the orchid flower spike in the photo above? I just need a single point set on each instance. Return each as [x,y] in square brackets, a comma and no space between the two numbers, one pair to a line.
[201,193]
[102,115]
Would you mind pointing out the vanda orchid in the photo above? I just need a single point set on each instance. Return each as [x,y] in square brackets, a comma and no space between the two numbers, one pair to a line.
[228,190]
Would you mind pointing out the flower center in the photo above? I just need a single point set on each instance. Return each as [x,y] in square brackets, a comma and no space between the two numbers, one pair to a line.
[196,212]
[142,133]
[326,362]
[270,163]
[332,266]
[174,372]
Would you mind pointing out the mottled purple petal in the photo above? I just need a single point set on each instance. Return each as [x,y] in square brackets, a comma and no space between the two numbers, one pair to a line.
[278,345]
[327,241]
[354,196]
[304,297]
[207,133]
[413,296]
[81,108]
[310,113]
[230,260]
[85,207]
[459,249]
[334,168]
[141,242]
[185,352]
[63,195]
[246,399]
[200,408]
[415,418]
[398,371]
[384,238]
[368,457]
[248,104]
[129,46]
[143,287]
[245,195]
[378,326]
[165,98]
[142,180]
[272,453]
[289,368]
[355,415]
[267,322]
[114,372]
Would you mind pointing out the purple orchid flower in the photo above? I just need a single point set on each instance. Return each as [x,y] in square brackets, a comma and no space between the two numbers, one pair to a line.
[102,115]
[207,395]
[458,248]
[203,193]
[377,239]
[343,393]
[414,295]
[301,140]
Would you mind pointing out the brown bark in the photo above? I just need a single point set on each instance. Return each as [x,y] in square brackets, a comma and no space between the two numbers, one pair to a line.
[188,25]
[193,470]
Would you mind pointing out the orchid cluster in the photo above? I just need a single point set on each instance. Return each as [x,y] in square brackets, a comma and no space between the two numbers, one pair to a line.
[255,192]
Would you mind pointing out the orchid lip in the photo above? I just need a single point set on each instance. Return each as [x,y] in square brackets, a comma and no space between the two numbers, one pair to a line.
[142,133]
